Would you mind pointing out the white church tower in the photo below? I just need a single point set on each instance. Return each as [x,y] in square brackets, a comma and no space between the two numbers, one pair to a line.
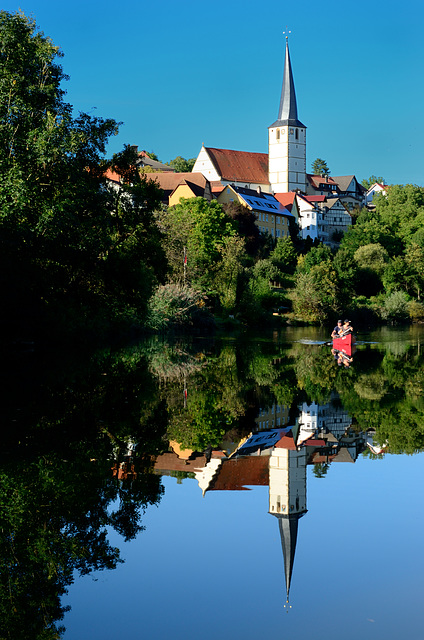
[287,140]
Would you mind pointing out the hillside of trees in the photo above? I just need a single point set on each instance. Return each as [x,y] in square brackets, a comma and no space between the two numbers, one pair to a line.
[82,258]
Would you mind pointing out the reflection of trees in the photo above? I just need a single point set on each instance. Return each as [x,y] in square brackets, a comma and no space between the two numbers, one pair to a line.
[56,485]
[70,423]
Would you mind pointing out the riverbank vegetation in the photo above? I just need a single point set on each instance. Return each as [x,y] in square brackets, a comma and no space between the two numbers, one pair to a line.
[81,257]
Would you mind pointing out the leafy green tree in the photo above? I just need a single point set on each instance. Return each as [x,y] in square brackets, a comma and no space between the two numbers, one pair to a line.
[230,275]
[315,256]
[75,266]
[181,165]
[368,182]
[284,255]
[372,256]
[401,210]
[319,167]
[247,227]
[316,296]
[199,227]
[152,155]
[370,230]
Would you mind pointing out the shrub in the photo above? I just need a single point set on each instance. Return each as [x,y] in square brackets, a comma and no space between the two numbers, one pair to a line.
[174,305]
[395,307]
[416,311]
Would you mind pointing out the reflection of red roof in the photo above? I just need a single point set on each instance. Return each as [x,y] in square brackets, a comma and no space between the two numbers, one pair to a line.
[171,462]
[238,473]
[240,166]
[315,442]
[286,442]
[319,459]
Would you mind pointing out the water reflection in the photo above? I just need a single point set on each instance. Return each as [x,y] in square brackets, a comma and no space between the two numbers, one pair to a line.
[89,438]
[276,454]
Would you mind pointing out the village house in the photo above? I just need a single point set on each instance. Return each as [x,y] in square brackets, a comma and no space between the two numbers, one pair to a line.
[270,215]
[375,189]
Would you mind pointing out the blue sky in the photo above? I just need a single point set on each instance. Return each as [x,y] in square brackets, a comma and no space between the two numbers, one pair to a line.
[179,74]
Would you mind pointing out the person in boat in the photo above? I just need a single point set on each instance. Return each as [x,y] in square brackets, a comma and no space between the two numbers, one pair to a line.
[347,328]
[338,329]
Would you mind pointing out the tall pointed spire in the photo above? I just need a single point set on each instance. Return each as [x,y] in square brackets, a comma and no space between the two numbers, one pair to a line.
[287,114]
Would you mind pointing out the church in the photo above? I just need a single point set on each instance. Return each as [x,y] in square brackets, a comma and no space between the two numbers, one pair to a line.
[320,205]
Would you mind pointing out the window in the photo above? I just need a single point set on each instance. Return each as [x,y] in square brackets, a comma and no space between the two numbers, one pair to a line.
[272,218]
[277,134]
[278,233]
[297,134]
[267,217]
[277,219]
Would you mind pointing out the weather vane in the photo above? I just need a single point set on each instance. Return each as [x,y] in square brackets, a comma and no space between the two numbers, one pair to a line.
[286,32]
[287,606]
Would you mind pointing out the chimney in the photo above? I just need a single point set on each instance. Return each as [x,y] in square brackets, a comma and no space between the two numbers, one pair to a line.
[259,190]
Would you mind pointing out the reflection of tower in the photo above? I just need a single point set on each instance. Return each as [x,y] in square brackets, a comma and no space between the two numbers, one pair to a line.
[287,499]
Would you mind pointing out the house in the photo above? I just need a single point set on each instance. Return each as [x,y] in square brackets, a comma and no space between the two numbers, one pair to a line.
[374,189]
[308,215]
[181,185]
[350,191]
[153,165]
[334,220]
[271,216]
[241,168]
[321,185]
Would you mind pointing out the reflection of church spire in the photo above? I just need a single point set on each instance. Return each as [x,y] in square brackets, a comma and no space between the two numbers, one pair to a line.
[287,499]
[288,531]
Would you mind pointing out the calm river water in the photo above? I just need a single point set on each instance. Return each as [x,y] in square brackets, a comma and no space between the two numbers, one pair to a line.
[233,488]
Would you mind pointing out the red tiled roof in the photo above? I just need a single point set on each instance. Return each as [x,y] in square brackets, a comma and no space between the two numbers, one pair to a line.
[314,198]
[286,199]
[317,180]
[217,187]
[240,166]
[168,181]
[112,175]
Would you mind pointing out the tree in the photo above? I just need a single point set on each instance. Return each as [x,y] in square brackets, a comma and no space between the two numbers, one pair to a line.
[61,243]
[317,296]
[368,182]
[197,227]
[284,255]
[181,165]
[319,167]
[247,226]
[152,155]
[372,256]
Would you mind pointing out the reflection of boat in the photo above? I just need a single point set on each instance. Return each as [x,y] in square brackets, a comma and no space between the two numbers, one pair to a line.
[345,343]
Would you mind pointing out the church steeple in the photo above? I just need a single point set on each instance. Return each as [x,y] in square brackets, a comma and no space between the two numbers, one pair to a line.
[287,140]
[287,114]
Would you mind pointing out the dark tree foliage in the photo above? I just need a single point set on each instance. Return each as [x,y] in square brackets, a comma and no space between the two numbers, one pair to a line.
[63,251]
[247,226]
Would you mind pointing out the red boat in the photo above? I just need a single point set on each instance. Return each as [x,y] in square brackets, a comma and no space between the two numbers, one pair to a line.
[345,343]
